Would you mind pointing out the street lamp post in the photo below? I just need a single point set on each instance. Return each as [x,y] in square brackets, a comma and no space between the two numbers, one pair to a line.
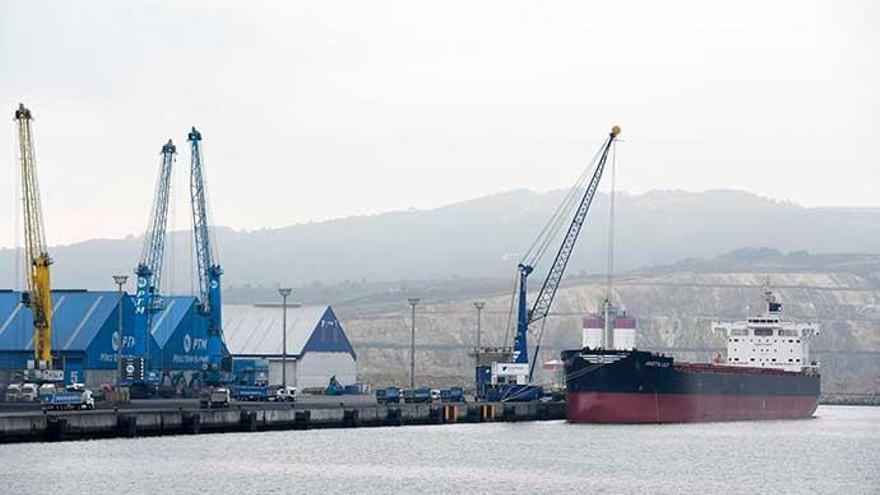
[284,292]
[412,350]
[479,305]
[120,281]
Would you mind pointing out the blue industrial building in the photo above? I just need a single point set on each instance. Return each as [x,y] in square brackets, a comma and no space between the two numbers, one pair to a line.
[86,340]
[84,334]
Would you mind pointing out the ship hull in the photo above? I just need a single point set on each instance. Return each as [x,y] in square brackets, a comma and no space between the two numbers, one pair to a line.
[642,387]
[598,407]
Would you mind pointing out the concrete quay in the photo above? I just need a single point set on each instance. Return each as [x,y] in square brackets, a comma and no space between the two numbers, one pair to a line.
[34,426]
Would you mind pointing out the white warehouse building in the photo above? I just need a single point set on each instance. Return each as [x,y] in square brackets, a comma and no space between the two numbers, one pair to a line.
[317,347]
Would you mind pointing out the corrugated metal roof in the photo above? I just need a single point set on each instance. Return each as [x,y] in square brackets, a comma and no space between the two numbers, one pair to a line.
[166,321]
[257,330]
[77,318]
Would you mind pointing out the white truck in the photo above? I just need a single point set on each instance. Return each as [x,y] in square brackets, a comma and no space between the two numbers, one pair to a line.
[29,392]
[13,393]
[284,394]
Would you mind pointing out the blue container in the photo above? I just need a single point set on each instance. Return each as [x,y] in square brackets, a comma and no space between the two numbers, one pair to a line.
[390,395]
[454,394]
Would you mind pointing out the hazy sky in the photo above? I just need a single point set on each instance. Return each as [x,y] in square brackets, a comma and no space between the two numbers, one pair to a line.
[315,110]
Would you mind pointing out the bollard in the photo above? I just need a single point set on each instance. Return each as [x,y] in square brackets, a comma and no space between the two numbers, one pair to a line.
[247,420]
[126,426]
[508,412]
[435,415]
[350,418]
[192,423]
[542,412]
[56,429]
[394,417]
[301,420]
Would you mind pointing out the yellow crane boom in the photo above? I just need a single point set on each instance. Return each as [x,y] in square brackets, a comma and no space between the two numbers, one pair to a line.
[38,296]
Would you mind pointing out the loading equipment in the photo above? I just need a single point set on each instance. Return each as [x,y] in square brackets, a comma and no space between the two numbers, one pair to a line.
[511,379]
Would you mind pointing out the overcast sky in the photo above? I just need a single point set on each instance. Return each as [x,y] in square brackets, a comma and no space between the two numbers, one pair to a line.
[316,110]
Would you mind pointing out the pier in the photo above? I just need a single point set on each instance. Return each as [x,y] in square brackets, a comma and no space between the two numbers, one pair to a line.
[39,426]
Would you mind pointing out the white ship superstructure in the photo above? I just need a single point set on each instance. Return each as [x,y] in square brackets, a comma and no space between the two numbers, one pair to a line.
[610,328]
[767,341]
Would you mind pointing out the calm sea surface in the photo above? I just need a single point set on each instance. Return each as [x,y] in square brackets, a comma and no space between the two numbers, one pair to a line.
[837,452]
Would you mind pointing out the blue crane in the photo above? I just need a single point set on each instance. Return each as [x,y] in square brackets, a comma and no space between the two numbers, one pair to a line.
[511,381]
[136,368]
[209,270]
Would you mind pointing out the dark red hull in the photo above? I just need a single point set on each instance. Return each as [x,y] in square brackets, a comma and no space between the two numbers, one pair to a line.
[602,407]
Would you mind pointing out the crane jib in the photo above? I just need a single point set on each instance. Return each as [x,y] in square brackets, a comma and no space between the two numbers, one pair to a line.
[208,269]
[554,277]
[544,300]
[39,294]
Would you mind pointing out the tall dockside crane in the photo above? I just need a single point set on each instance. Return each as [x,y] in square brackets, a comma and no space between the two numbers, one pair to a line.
[38,296]
[209,271]
[135,366]
[511,380]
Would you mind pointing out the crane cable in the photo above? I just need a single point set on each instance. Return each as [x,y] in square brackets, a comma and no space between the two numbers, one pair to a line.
[550,231]
[610,254]
[611,222]
[560,215]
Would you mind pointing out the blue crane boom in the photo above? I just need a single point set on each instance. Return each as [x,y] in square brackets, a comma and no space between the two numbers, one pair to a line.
[545,297]
[147,300]
[209,271]
[512,380]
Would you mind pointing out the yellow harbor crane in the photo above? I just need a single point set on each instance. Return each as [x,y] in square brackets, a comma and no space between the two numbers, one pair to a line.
[38,296]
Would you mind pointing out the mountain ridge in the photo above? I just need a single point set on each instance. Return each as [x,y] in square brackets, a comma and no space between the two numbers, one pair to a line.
[483,237]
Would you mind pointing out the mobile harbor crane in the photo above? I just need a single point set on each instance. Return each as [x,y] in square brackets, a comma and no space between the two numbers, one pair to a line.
[38,297]
[511,378]
[218,369]
[137,370]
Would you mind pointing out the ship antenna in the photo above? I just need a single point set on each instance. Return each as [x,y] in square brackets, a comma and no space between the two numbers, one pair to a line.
[771,305]
[610,280]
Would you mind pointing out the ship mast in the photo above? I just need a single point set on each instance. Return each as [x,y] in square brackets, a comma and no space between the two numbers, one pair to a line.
[607,337]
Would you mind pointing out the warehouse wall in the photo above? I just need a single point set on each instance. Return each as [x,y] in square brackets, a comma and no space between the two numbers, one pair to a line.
[315,369]
[275,371]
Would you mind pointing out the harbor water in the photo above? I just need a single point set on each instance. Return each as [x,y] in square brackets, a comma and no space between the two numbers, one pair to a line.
[836,452]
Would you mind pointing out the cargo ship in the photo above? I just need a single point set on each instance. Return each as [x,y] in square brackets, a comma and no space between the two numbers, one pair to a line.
[766,373]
